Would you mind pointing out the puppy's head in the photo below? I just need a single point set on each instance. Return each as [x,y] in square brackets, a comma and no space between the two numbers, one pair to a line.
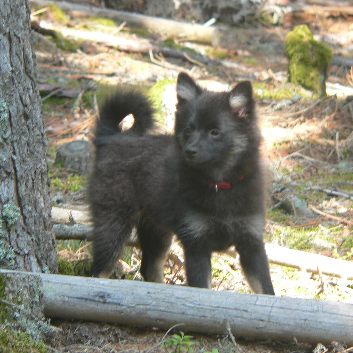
[213,128]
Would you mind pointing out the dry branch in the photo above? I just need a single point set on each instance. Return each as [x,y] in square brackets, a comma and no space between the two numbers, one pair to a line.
[330,216]
[331,192]
[199,310]
[160,26]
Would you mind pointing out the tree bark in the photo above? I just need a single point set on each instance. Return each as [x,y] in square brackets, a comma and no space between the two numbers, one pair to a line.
[26,240]
[198,310]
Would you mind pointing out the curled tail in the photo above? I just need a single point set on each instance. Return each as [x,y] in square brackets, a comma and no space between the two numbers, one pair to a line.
[117,107]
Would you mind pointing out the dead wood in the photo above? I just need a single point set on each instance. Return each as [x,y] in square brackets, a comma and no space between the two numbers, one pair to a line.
[72,232]
[136,45]
[331,192]
[198,310]
[311,13]
[330,216]
[163,27]
[68,216]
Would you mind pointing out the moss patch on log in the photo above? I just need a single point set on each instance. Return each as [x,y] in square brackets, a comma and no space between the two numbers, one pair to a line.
[308,59]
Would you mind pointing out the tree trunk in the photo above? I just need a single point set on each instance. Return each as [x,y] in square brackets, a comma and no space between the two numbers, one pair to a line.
[26,240]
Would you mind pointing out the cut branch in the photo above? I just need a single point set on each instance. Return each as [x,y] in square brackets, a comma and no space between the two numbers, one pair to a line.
[199,310]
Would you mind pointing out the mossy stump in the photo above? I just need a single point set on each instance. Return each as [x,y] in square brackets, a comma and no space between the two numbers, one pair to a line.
[308,60]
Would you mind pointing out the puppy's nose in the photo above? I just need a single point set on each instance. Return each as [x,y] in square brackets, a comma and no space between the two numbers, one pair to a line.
[190,153]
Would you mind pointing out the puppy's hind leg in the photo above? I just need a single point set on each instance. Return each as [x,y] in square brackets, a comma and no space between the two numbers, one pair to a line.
[110,235]
[155,244]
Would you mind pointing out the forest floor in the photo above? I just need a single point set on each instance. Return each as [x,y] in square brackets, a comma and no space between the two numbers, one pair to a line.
[308,144]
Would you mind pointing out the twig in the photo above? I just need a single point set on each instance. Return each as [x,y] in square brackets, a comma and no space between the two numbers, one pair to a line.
[350,349]
[193,61]
[77,103]
[38,12]
[232,338]
[330,216]
[158,62]
[52,93]
[309,159]
[331,192]
[337,142]
[300,112]
[163,338]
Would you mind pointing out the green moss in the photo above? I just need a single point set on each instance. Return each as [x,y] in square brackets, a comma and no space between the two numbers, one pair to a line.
[10,214]
[141,32]
[70,245]
[54,103]
[4,121]
[74,268]
[218,53]
[294,238]
[106,22]
[170,43]
[70,183]
[65,44]
[7,255]
[279,216]
[8,217]
[155,93]
[4,315]
[57,14]
[250,60]
[308,59]
[268,91]
[19,342]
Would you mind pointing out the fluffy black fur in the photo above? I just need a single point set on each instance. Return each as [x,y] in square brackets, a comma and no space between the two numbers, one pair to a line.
[165,185]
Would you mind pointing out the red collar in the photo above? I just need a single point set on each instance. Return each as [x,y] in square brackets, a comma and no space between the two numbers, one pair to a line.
[220,186]
[223,185]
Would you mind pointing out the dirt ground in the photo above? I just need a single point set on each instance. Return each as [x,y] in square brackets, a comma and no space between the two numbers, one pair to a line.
[308,143]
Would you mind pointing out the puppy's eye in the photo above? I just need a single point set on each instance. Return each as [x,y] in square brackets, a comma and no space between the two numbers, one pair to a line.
[214,132]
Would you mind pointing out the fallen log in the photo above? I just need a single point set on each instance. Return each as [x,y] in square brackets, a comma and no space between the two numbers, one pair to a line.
[145,304]
[73,232]
[64,215]
[160,26]
[140,45]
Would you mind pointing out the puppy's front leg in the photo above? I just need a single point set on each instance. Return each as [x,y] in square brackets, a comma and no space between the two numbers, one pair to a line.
[198,267]
[253,260]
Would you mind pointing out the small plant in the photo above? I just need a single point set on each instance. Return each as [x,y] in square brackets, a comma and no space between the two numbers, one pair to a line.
[179,343]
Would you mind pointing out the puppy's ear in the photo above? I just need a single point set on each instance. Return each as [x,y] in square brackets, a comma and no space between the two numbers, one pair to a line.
[241,100]
[186,88]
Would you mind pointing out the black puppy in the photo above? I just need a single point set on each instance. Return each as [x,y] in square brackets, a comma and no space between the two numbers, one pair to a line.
[203,184]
